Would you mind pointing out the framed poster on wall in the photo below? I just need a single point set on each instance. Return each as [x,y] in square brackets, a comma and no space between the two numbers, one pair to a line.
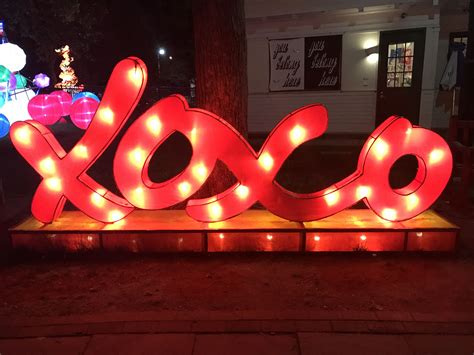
[287,64]
[307,63]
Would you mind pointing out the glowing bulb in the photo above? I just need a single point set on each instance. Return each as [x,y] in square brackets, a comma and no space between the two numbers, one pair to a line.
[193,135]
[23,135]
[363,237]
[154,125]
[221,235]
[138,196]
[419,234]
[47,166]
[54,184]
[97,199]
[184,188]
[200,171]
[266,161]
[107,115]
[412,202]
[297,134]
[332,197]
[135,75]
[137,157]
[373,58]
[242,191]
[269,236]
[408,131]
[389,213]
[381,149]
[81,151]
[363,191]
[215,210]
[317,238]
[115,215]
[89,238]
[436,155]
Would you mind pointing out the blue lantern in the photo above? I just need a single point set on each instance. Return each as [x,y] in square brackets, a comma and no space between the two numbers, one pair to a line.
[4,125]
[85,94]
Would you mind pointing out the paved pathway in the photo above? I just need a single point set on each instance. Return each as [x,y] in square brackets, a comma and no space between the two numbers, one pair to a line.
[241,333]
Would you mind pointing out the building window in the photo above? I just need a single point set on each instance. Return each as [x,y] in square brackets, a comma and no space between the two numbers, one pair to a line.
[400,64]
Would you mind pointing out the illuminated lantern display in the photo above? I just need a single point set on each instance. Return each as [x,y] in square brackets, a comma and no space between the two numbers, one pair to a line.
[83,111]
[68,76]
[4,126]
[85,94]
[12,57]
[45,109]
[5,74]
[65,173]
[21,81]
[65,100]
[41,80]
[16,106]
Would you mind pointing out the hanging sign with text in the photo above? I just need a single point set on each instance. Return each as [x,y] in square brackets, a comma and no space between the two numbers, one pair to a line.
[311,63]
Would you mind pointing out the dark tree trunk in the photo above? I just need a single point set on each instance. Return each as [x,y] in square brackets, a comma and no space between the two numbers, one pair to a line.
[221,69]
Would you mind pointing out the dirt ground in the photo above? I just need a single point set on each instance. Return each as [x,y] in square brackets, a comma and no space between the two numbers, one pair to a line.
[95,284]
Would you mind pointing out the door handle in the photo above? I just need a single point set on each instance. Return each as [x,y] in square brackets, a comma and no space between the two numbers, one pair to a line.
[381,95]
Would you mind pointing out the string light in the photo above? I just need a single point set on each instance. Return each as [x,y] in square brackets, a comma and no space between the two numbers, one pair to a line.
[269,236]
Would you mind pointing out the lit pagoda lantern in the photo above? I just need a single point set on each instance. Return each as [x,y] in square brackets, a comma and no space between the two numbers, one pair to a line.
[67,75]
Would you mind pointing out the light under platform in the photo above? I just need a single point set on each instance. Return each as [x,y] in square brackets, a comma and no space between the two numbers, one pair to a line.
[253,230]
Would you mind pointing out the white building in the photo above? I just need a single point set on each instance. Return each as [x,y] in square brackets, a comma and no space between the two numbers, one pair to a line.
[369,85]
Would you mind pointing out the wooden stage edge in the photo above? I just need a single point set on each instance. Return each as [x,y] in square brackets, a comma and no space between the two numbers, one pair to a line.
[253,230]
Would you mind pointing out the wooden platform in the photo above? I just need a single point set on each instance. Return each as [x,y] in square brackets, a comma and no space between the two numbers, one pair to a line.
[254,230]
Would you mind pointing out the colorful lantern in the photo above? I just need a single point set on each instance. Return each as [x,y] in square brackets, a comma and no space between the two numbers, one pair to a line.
[65,100]
[85,94]
[45,109]
[65,173]
[12,57]
[4,126]
[5,74]
[21,81]
[41,80]
[16,107]
[82,111]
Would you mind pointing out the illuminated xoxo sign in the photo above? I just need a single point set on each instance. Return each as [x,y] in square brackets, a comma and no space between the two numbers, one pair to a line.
[65,173]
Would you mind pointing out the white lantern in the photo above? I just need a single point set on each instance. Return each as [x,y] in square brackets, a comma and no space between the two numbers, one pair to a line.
[12,57]
[16,109]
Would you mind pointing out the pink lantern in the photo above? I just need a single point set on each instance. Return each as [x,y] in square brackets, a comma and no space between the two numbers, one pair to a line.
[45,109]
[82,112]
[65,100]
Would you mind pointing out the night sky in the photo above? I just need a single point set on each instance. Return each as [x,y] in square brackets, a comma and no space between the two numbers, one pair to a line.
[100,34]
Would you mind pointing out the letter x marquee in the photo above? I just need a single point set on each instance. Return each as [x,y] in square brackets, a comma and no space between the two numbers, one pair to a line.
[65,173]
